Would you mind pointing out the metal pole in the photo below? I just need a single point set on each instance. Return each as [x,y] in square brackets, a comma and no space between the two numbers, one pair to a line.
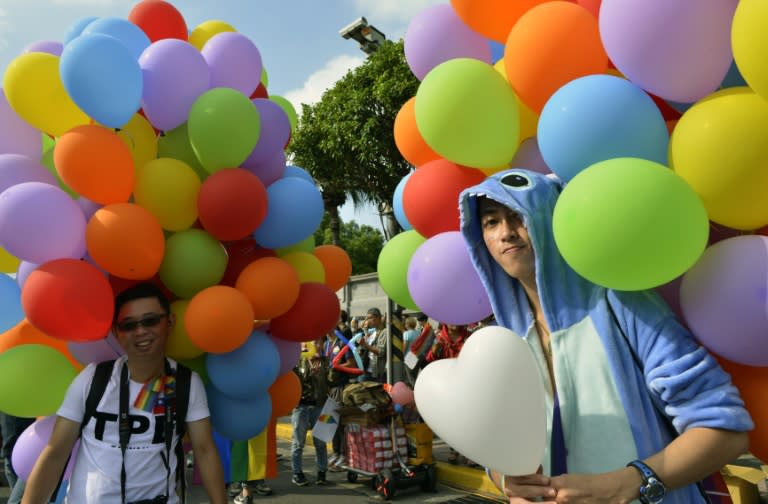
[389,341]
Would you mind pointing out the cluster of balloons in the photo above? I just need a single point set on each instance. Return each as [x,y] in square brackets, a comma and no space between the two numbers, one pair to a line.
[651,112]
[138,150]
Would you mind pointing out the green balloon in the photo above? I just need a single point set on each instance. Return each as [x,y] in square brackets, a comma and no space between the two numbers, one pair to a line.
[393,267]
[175,144]
[33,380]
[197,365]
[223,127]
[630,224]
[193,261]
[289,110]
[264,77]
[306,245]
[468,113]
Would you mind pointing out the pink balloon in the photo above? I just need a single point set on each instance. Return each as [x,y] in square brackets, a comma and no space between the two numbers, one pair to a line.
[96,351]
[17,135]
[268,171]
[401,394]
[31,443]
[529,157]
[45,46]
[679,50]
[16,169]
[290,352]
[274,134]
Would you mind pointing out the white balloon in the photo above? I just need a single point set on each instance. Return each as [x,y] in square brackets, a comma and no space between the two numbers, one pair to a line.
[488,403]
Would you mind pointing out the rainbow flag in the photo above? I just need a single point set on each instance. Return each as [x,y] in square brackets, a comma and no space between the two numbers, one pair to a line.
[155,394]
[326,419]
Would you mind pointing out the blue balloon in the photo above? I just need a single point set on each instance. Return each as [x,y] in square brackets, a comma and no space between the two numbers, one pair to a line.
[77,28]
[248,370]
[397,204]
[294,212]
[733,78]
[600,117]
[497,50]
[11,312]
[131,36]
[103,78]
[295,171]
[238,419]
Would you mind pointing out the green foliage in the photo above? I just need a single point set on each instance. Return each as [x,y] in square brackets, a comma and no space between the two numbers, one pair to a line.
[346,140]
[362,243]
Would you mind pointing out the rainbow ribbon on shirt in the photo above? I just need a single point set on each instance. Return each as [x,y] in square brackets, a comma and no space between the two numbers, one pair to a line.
[154,394]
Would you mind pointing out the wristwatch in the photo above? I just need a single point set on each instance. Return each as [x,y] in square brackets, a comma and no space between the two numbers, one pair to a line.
[653,490]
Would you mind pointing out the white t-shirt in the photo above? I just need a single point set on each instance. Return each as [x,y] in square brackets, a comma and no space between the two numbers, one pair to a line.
[96,475]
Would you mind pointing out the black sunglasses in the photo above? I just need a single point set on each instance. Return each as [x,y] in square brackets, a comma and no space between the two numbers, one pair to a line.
[151,320]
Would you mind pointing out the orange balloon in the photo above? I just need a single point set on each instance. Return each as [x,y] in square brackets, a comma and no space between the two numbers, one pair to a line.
[408,140]
[337,264]
[25,333]
[285,393]
[126,240]
[271,285]
[752,383]
[551,45]
[95,163]
[493,18]
[218,319]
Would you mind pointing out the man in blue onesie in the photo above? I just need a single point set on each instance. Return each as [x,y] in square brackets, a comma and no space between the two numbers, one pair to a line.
[636,409]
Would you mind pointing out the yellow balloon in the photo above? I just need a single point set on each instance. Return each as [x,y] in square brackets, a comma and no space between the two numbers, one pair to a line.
[141,140]
[719,148]
[529,120]
[307,266]
[749,40]
[178,346]
[35,92]
[206,30]
[306,245]
[168,188]
[8,263]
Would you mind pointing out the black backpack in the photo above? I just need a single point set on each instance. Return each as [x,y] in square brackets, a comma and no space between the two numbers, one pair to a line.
[99,383]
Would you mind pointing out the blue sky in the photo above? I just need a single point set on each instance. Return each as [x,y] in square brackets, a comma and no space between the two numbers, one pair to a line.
[298,40]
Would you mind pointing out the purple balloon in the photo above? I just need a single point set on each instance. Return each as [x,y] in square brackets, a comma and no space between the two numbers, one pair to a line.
[40,222]
[268,171]
[30,445]
[45,46]
[275,131]
[724,295]
[290,352]
[679,50]
[175,75]
[23,271]
[16,134]
[529,157]
[437,267]
[17,169]
[437,34]
[88,207]
[235,62]
[96,351]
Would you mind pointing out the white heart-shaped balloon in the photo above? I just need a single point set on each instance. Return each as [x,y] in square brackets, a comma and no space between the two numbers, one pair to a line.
[489,402]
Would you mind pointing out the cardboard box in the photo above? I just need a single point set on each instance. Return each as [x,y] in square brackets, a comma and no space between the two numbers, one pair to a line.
[742,482]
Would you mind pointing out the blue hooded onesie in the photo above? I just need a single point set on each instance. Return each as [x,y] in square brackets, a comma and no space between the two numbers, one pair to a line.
[620,358]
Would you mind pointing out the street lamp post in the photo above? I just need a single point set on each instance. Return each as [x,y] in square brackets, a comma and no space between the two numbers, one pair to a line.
[366,35]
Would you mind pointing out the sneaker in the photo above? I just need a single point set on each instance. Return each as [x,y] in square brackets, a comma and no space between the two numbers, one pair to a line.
[260,488]
[332,460]
[321,478]
[234,489]
[299,480]
[337,465]
[243,499]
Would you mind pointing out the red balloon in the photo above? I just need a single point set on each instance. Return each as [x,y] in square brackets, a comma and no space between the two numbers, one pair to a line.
[159,20]
[69,299]
[667,111]
[240,254]
[312,316]
[259,92]
[120,284]
[431,195]
[232,203]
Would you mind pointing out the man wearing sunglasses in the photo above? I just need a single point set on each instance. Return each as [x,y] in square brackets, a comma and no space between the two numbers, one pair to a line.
[123,456]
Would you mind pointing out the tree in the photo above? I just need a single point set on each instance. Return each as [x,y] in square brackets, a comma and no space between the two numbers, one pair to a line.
[362,243]
[346,140]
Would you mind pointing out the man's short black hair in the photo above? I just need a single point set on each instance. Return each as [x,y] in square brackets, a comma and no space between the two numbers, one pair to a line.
[374,311]
[141,291]
[344,316]
[421,317]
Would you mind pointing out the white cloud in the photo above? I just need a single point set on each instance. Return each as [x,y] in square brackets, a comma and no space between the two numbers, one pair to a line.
[322,80]
[393,10]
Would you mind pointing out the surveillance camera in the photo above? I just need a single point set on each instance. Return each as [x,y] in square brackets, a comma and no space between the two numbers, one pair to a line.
[354,27]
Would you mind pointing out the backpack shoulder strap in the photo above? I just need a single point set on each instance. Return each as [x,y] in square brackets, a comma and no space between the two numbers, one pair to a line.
[98,386]
[183,384]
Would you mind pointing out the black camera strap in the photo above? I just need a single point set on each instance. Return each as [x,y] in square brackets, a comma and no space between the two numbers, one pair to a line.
[125,428]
